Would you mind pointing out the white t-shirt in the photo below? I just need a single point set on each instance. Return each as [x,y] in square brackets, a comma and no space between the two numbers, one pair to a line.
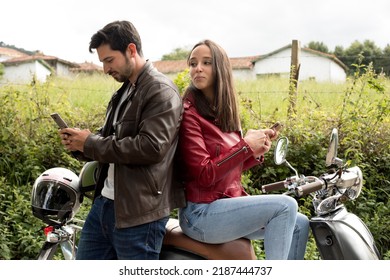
[108,189]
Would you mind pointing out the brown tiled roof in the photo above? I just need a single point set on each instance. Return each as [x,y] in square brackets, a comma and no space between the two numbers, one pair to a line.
[243,62]
[87,67]
[175,66]
[170,66]
[11,52]
[26,58]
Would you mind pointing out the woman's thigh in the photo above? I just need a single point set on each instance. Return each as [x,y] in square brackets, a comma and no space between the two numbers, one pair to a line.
[232,218]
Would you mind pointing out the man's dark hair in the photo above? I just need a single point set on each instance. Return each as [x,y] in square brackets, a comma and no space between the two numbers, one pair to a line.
[118,34]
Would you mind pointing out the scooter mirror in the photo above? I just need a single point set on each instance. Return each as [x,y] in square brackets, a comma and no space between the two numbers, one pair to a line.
[331,156]
[280,152]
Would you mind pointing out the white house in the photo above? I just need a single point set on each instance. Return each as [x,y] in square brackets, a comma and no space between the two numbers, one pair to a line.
[22,68]
[25,68]
[314,65]
[242,67]
[8,53]
[25,72]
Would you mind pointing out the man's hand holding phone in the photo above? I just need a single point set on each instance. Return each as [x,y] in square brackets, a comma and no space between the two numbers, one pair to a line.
[72,138]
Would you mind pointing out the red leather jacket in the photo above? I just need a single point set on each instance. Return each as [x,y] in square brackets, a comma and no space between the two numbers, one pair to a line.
[211,160]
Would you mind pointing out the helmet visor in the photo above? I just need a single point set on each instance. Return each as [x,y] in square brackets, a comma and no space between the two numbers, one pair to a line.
[51,195]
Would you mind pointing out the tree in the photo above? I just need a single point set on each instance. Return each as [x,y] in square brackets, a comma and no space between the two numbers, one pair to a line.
[339,51]
[318,46]
[362,53]
[384,60]
[177,54]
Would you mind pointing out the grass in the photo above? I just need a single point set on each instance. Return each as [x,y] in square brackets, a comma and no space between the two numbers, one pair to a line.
[268,98]
[85,91]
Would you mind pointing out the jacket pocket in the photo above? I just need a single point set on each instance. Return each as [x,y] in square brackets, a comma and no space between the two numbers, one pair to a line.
[152,182]
[125,128]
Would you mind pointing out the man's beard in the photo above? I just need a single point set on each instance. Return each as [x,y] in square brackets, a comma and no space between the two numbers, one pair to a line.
[120,78]
[125,74]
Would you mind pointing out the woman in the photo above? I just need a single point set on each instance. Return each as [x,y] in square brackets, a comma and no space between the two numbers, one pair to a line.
[213,155]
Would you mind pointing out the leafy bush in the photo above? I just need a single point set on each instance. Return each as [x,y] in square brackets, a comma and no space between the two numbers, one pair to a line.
[182,81]
[29,144]
[19,236]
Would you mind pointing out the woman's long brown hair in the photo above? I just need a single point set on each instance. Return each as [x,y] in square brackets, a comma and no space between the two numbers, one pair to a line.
[224,111]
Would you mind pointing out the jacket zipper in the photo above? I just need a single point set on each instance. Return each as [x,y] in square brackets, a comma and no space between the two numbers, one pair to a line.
[243,149]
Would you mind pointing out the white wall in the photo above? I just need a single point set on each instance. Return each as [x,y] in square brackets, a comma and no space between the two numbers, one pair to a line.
[322,69]
[278,63]
[62,69]
[24,73]
[244,74]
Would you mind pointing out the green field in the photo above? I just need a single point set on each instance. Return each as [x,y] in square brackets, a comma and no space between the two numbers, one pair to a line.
[268,97]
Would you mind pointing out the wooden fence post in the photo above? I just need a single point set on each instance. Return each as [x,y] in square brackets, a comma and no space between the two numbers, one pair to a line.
[294,76]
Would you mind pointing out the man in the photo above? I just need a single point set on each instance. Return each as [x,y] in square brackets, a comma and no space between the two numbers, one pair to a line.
[135,148]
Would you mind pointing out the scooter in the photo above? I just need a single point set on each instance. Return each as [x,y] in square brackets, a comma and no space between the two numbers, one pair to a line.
[339,234]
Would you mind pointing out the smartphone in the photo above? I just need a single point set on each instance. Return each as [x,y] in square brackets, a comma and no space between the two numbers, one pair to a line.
[60,122]
[277,126]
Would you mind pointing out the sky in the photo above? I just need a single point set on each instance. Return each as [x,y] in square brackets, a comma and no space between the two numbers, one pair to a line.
[63,28]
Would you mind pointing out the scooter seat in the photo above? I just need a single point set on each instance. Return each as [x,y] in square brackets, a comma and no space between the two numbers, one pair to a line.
[240,249]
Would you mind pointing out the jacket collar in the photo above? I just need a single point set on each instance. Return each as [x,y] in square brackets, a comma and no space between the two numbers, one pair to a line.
[141,76]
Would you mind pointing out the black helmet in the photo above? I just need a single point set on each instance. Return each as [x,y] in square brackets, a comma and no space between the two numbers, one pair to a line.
[56,196]
[88,178]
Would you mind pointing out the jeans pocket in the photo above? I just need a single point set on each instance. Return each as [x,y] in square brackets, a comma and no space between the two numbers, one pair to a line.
[189,219]
[183,219]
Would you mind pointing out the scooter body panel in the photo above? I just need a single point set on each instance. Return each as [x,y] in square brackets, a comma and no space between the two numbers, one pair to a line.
[343,236]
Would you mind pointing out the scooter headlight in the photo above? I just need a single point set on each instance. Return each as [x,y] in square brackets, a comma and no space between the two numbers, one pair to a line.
[328,205]
[352,182]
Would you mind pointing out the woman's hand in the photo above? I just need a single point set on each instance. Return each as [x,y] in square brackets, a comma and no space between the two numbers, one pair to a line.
[271,133]
[259,141]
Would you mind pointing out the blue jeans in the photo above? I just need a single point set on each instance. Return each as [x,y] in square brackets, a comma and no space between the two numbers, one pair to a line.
[274,218]
[101,240]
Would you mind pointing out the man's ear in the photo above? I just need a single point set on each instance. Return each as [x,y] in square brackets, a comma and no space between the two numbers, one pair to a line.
[131,49]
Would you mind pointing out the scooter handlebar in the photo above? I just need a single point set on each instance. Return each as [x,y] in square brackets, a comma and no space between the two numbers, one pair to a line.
[310,187]
[273,187]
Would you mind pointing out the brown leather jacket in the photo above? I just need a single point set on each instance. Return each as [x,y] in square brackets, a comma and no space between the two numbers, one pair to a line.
[212,160]
[142,145]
